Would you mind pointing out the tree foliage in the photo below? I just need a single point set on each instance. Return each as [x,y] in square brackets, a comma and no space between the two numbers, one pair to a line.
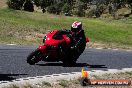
[15,4]
[46,3]
[76,7]
[28,6]
[66,8]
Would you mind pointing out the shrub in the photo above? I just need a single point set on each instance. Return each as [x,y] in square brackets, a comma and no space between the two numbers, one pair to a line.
[97,13]
[46,3]
[37,2]
[66,8]
[43,10]
[56,8]
[15,4]
[51,9]
[28,6]
[79,11]
[89,13]
[78,8]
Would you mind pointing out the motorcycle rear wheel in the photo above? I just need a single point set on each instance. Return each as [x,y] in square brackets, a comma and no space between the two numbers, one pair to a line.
[34,57]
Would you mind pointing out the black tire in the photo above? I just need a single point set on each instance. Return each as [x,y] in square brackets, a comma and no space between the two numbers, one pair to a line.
[34,57]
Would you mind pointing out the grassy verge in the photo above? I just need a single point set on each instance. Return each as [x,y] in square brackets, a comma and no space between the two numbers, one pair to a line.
[28,28]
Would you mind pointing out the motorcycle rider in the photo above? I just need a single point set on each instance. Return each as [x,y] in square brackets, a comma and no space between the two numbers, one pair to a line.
[79,35]
[76,33]
[78,40]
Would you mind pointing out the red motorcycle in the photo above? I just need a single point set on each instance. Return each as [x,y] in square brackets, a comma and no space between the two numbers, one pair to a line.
[57,47]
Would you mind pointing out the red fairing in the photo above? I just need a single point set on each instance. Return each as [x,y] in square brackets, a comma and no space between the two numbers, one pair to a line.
[42,47]
[67,39]
[87,40]
[50,40]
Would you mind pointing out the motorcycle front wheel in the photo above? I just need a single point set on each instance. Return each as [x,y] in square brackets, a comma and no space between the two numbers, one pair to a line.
[34,57]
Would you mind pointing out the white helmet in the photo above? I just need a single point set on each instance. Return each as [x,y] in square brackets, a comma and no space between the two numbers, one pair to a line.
[76,26]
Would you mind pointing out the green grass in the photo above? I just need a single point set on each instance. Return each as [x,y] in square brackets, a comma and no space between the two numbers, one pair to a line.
[46,84]
[15,26]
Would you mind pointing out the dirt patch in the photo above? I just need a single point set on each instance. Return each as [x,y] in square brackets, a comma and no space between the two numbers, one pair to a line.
[107,46]
[34,35]
[3,3]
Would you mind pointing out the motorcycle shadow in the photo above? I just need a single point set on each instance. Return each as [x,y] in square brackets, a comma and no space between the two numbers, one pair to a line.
[75,65]
[9,77]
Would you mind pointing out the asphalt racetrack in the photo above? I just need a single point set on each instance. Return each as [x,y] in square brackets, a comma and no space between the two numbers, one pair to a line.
[13,62]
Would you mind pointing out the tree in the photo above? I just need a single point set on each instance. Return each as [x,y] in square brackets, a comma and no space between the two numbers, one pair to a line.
[56,8]
[15,4]
[46,3]
[66,8]
[51,9]
[28,6]
[79,8]
[130,4]
[37,2]
[86,1]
